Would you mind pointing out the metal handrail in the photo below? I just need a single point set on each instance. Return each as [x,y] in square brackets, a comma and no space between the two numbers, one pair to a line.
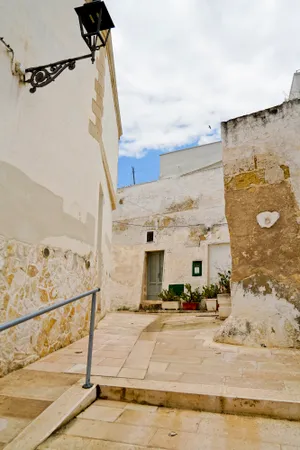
[93,292]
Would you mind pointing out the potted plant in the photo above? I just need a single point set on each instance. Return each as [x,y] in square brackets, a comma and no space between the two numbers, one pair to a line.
[191,299]
[210,294]
[224,298]
[169,299]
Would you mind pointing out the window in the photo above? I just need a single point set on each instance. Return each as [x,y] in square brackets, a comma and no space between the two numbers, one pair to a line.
[197,269]
[178,289]
[150,236]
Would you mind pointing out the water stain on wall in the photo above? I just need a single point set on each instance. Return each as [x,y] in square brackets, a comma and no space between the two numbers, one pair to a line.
[185,205]
[31,213]
[261,254]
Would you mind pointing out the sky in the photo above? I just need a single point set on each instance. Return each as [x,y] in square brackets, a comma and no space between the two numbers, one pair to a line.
[183,66]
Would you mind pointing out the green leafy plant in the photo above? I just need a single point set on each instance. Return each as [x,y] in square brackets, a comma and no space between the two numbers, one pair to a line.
[210,291]
[191,296]
[168,295]
[224,281]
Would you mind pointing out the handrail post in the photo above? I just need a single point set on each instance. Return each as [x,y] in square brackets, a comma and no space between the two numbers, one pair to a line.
[88,384]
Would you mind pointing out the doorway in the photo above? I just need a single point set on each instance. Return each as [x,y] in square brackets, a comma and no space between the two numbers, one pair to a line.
[219,260]
[155,267]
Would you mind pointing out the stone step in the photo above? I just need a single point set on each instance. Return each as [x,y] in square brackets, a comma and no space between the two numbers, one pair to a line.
[179,396]
[237,401]
[25,395]
[59,413]
[114,425]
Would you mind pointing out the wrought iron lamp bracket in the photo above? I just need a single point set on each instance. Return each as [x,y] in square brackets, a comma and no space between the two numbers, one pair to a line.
[43,75]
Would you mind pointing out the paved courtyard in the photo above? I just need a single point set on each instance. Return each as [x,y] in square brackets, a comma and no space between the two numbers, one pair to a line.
[179,348]
[108,425]
[163,353]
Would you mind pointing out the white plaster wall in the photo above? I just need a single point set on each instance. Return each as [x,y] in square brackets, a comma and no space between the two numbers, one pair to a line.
[44,137]
[219,260]
[184,161]
[184,235]
[125,284]
[110,129]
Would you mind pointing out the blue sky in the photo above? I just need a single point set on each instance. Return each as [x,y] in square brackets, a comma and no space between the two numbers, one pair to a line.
[146,169]
[230,58]
[147,166]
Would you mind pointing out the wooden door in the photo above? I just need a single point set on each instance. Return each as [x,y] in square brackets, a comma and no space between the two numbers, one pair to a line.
[155,267]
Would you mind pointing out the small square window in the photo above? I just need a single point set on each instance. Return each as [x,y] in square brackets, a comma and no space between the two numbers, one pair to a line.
[150,236]
[197,269]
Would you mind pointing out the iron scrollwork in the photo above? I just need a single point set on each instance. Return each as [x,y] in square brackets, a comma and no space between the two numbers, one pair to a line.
[43,75]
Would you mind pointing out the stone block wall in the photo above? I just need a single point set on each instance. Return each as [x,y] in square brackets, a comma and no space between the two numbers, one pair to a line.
[261,156]
[31,278]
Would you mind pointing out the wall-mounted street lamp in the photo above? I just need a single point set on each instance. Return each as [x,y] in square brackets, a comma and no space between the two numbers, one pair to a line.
[93,18]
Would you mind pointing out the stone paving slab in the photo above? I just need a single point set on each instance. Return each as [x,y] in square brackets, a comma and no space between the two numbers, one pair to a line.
[168,347]
[174,353]
[110,425]
[38,385]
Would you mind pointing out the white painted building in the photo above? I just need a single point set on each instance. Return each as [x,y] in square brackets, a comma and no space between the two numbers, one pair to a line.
[187,160]
[171,231]
[58,175]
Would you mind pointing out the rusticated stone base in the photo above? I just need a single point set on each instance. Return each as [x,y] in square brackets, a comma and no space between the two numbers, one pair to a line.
[260,319]
[32,277]
[241,331]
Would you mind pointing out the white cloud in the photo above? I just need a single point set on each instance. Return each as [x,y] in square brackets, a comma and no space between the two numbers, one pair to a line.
[185,65]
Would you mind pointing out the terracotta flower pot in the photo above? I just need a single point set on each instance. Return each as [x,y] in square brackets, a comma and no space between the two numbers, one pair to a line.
[189,306]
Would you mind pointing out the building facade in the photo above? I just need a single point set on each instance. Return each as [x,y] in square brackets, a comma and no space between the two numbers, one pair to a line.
[58,158]
[171,231]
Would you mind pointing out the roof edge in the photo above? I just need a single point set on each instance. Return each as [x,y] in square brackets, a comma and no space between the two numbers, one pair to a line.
[190,148]
[113,79]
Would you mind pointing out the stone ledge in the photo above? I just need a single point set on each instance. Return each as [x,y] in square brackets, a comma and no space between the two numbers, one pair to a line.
[215,399]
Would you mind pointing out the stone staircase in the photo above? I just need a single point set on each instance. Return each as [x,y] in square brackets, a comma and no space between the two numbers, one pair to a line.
[24,396]
[156,360]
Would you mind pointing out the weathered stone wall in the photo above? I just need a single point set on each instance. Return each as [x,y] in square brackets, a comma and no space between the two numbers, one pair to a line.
[32,277]
[261,155]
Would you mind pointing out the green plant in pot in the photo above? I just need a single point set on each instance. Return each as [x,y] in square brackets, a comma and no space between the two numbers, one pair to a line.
[170,300]
[224,298]
[191,299]
[210,294]
[168,295]
[224,282]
